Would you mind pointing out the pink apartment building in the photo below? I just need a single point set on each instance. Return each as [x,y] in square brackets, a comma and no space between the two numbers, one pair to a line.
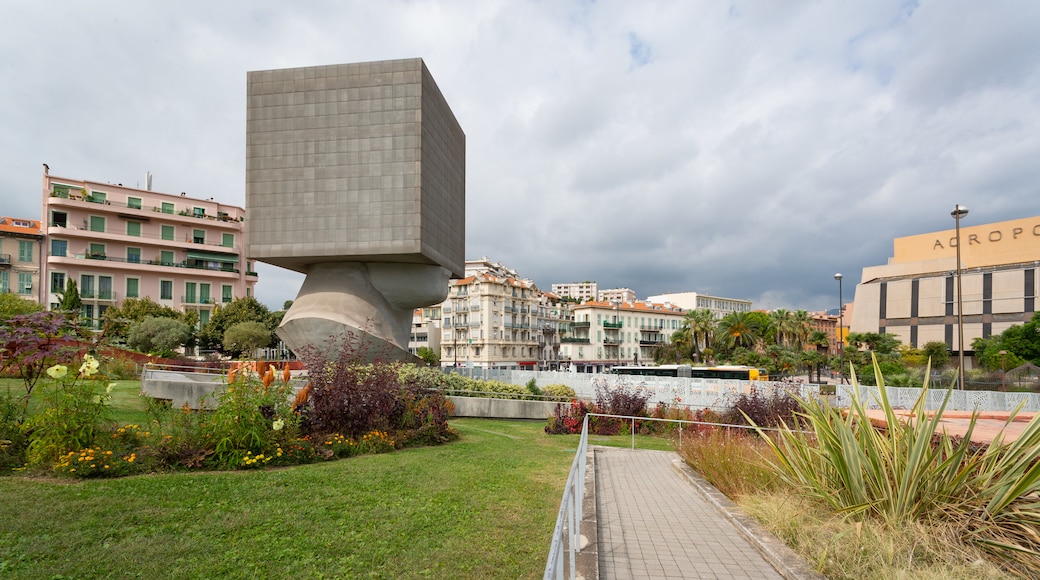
[121,242]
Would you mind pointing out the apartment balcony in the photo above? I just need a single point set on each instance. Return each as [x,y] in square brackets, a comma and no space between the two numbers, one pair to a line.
[651,328]
[130,264]
[145,239]
[575,339]
[220,219]
[98,295]
[650,341]
[196,300]
[611,324]
[5,259]
[583,324]
[611,341]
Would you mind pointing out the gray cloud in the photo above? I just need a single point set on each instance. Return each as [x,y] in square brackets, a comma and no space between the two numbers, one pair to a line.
[748,150]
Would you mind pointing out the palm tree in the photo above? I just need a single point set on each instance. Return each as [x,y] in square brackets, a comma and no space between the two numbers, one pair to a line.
[739,329]
[780,323]
[801,328]
[701,324]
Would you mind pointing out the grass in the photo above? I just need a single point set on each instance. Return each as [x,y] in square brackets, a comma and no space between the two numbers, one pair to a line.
[483,506]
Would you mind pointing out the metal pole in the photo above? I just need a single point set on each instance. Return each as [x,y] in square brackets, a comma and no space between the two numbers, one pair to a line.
[841,325]
[1003,358]
[958,212]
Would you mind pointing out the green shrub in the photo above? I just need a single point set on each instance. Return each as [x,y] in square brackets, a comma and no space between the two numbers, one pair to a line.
[559,392]
[252,416]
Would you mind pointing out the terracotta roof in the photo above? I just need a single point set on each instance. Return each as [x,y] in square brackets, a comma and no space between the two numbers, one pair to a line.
[7,225]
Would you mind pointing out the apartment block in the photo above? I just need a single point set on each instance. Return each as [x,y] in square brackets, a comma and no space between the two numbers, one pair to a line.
[494,319]
[121,242]
[617,295]
[718,305]
[604,334]
[579,291]
[20,256]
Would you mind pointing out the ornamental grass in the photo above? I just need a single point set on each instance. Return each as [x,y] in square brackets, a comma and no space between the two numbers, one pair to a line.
[912,472]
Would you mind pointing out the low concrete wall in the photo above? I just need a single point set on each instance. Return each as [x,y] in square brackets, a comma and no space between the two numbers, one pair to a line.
[502,408]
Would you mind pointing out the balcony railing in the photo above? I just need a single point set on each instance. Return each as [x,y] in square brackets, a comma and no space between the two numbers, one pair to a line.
[5,259]
[78,195]
[182,264]
[582,324]
[611,341]
[649,342]
[611,324]
[575,339]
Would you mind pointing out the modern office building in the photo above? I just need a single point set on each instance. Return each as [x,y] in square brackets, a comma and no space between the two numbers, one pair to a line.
[20,257]
[605,334]
[718,305]
[120,242]
[914,295]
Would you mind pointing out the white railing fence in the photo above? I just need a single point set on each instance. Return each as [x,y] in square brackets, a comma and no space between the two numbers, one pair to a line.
[566,539]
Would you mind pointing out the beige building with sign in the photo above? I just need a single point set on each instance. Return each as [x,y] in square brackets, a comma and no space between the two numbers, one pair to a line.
[914,295]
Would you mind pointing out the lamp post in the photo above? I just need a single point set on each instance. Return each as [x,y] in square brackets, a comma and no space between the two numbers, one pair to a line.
[841,325]
[1003,357]
[958,212]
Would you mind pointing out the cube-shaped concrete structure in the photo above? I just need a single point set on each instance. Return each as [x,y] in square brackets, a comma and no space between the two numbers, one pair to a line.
[356,162]
[356,176]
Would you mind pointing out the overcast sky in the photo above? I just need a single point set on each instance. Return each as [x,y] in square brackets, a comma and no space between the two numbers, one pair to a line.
[742,149]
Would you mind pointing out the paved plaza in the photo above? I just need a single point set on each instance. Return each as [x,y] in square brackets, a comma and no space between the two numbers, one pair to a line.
[653,521]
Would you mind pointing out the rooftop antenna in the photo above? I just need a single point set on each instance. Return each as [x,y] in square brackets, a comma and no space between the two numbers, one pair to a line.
[148,180]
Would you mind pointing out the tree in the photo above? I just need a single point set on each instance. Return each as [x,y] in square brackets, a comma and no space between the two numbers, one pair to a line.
[801,328]
[702,325]
[158,335]
[31,343]
[247,309]
[429,356]
[13,305]
[936,352]
[118,320]
[741,330]
[71,303]
[243,338]
[779,326]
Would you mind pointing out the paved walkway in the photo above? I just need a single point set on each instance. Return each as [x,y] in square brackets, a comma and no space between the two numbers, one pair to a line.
[652,523]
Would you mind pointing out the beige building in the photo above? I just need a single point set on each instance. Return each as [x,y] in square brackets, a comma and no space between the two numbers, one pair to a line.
[21,252]
[617,295]
[605,334]
[492,318]
[914,295]
[579,291]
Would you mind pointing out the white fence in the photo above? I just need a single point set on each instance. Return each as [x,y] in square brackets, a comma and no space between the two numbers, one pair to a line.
[718,394]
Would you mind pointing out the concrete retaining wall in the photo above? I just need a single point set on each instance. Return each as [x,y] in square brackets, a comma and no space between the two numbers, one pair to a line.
[502,408]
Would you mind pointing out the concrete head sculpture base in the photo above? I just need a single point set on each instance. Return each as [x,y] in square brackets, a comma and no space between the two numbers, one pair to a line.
[356,176]
[369,301]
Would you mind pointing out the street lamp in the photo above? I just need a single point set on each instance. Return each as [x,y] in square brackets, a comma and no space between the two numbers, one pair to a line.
[958,212]
[1003,357]
[841,325]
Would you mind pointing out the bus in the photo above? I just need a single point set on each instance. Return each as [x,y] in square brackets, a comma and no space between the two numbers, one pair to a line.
[727,372]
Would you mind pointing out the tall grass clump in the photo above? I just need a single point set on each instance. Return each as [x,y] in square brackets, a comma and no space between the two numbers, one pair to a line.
[912,471]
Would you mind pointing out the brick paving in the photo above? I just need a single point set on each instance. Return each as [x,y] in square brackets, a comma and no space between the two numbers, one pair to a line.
[652,523]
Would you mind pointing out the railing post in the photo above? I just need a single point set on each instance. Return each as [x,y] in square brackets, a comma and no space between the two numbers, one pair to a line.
[633,432]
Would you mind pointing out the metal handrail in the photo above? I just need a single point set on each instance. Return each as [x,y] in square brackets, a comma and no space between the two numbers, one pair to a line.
[568,520]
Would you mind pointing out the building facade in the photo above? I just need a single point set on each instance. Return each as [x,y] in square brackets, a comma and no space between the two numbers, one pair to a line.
[718,305]
[914,295]
[617,295]
[119,242]
[601,334]
[20,257]
[579,291]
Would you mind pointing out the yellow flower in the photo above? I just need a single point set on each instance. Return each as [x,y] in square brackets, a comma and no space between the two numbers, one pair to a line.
[89,367]
[278,424]
[110,387]
[58,371]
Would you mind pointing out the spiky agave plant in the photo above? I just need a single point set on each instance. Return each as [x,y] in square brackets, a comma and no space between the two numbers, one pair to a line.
[913,470]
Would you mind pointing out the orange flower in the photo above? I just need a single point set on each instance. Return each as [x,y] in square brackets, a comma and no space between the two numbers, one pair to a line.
[286,375]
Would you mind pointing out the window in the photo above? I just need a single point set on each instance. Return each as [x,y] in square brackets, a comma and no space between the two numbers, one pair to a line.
[59,219]
[57,282]
[97,223]
[204,293]
[189,292]
[86,286]
[5,283]
[133,202]
[166,258]
[167,207]
[133,255]
[199,211]
[226,293]
[25,251]
[24,282]
[203,318]
[167,232]
[59,248]
[228,240]
[88,314]
[165,289]
[98,197]
[105,287]
[96,251]
[198,236]
[133,229]
[133,288]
